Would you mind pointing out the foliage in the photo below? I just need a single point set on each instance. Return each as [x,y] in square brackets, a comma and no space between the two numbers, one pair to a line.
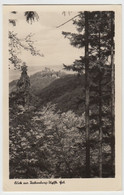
[95,33]
[98,22]
[47,144]
[16,45]
[51,144]
[31,16]
[66,91]
[47,134]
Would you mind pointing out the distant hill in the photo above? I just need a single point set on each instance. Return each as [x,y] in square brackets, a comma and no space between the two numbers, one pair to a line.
[14,74]
[39,80]
[42,79]
[66,91]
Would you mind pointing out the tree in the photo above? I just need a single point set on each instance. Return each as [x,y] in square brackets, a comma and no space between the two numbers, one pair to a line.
[97,43]
[112,95]
[87,94]
[79,40]
[47,144]
[23,86]
[95,35]
[31,16]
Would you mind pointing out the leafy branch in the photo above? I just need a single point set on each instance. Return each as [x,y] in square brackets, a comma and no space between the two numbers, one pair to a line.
[15,46]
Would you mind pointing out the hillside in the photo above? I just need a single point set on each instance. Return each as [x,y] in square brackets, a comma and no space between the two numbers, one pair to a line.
[64,90]
[50,140]
[42,79]
[39,80]
[67,92]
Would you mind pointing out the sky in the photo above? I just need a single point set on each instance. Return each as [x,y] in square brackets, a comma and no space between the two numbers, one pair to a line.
[48,39]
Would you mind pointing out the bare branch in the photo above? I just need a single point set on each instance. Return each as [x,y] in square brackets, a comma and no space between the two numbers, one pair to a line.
[67,21]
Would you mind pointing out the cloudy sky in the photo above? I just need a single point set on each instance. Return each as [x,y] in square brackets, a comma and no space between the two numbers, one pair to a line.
[49,39]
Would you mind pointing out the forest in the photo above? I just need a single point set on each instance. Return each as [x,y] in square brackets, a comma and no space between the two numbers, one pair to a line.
[62,125]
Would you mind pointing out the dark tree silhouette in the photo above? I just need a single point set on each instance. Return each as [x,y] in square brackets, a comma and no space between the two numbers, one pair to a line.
[95,34]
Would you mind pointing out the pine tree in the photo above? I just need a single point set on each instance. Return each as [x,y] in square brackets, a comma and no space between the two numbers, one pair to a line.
[87,95]
[81,40]
[23,85]
[98,44]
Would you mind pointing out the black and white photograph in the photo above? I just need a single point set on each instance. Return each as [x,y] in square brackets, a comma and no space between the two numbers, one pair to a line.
[61,93]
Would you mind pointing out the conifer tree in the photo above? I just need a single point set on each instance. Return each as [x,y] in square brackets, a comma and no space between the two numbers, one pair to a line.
[23,85]
[99,44]
[87,95]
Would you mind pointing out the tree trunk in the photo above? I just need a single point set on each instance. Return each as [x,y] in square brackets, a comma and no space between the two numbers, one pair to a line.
[100,112]
[112,98]
[87,97]
[100,130]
